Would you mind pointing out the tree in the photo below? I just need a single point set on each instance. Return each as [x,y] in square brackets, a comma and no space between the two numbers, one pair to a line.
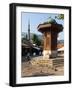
[60,16]
[36,40]
[26,36]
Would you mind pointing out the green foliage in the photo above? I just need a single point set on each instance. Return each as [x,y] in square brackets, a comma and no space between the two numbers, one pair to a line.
[24,38]
[60,16]
[36,40]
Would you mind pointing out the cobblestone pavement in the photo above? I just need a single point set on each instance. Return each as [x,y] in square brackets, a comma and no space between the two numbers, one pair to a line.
[28,69]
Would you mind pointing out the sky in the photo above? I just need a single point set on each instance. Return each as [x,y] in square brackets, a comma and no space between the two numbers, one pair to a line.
[36,19]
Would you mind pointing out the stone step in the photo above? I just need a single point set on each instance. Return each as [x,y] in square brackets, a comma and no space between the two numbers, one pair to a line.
[59,60]
[58,63]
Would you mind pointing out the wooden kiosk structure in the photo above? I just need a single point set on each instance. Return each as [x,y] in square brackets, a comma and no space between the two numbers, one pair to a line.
[50,30]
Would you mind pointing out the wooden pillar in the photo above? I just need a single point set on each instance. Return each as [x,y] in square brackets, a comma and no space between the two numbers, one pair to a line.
[53,44]
[47,44]
[50,44]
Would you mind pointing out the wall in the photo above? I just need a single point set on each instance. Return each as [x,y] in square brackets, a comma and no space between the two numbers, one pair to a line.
[4,44]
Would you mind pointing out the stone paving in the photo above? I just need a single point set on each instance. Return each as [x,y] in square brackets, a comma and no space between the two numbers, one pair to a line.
[39,67]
